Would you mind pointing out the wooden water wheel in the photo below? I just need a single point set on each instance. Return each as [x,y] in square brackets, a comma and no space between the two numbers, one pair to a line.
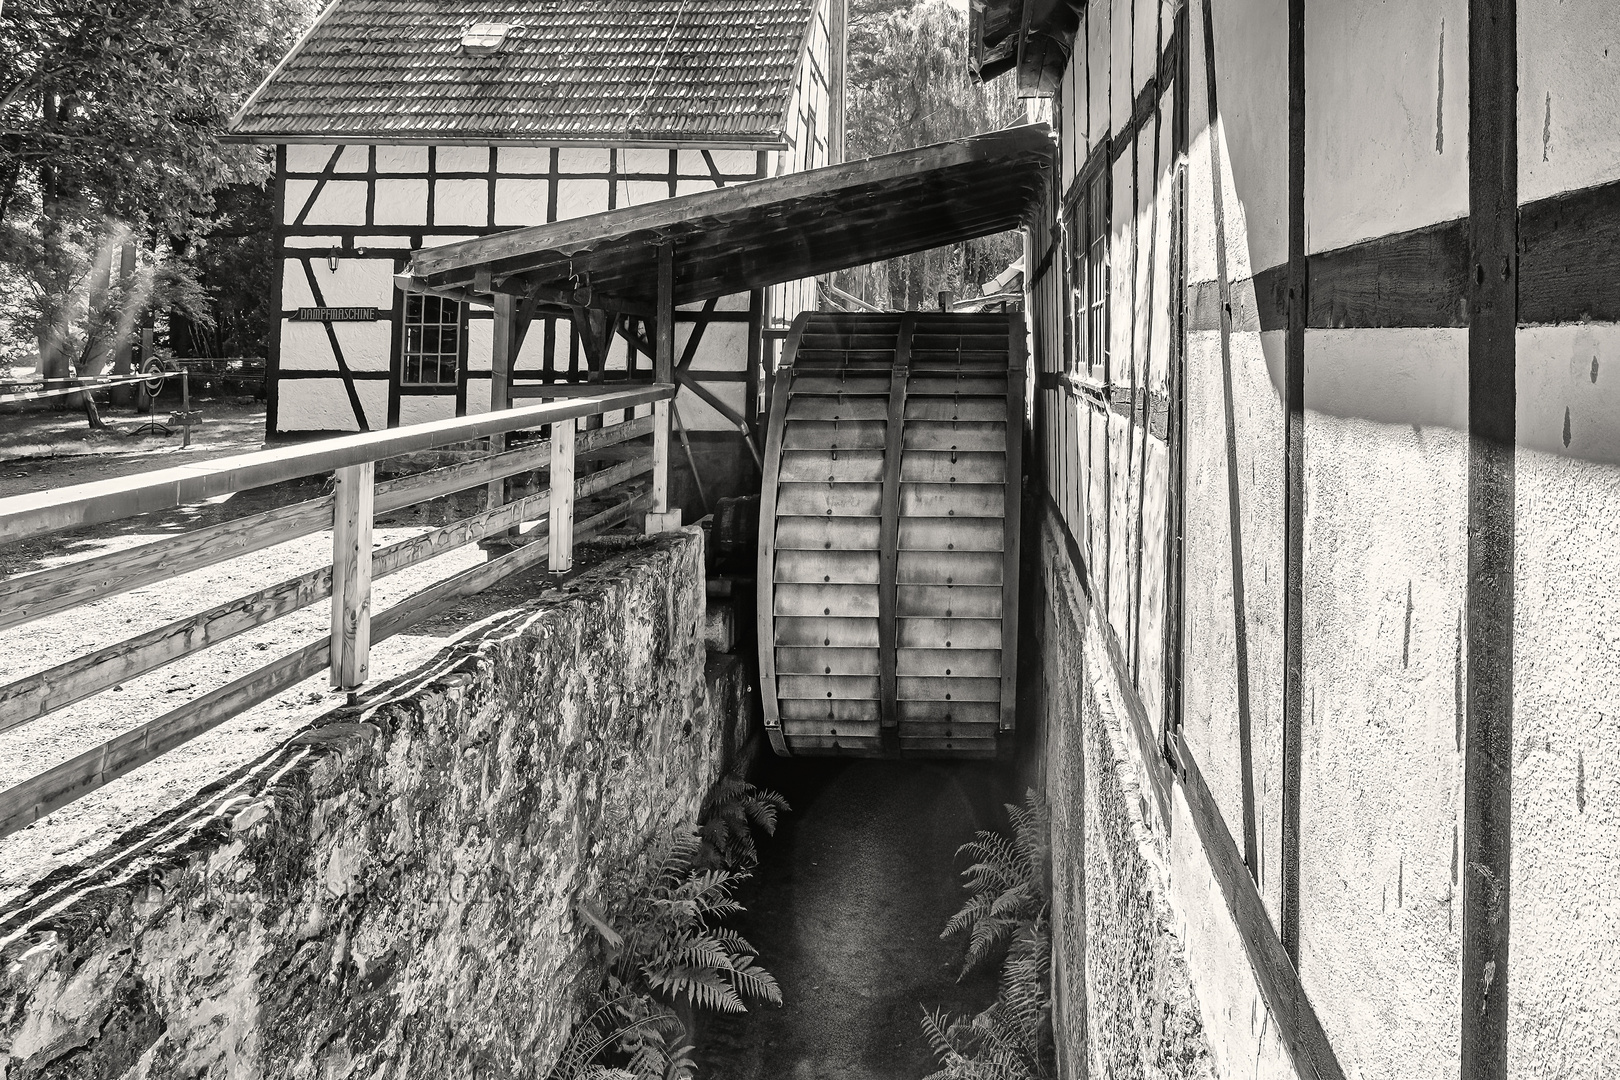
[888,549]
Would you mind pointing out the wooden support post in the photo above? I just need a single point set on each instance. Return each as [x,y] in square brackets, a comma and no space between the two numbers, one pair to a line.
[661,518]
[502,353]
[561,536]
[351,575]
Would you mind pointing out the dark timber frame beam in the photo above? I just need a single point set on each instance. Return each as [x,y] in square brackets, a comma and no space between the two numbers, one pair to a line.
[1493,217]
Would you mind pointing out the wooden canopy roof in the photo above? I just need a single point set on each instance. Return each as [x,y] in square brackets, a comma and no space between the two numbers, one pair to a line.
[760,233]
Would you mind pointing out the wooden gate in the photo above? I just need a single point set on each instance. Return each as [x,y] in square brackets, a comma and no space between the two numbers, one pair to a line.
[888,554]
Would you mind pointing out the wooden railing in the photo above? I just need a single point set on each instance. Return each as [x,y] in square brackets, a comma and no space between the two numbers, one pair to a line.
[348,512]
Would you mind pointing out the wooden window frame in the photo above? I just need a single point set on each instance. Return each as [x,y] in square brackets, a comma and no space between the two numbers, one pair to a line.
[1087,261]
[440,355]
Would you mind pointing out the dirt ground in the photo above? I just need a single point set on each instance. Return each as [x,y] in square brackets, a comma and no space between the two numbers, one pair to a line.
[88,825]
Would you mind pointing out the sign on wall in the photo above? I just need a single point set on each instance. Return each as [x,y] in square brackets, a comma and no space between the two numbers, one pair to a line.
[337,314]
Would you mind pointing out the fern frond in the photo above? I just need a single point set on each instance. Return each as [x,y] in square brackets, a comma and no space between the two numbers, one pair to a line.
[703,988]
[975,909]
[752,981]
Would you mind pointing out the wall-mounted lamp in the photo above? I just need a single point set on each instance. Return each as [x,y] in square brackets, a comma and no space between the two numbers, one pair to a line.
[331,260]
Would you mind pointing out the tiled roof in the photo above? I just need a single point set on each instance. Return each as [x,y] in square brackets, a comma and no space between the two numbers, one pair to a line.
[611,70]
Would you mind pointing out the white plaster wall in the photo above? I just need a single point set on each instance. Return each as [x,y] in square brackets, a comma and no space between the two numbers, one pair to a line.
[1243,1035]
[1251,81]
[418,409]
[460,202]
[1569,95]
[1386,117]
[1381,779]
[401,202]
[402,159]
[1099,35]
[341,202]
[1563,998]
[1119,49]
[323,404]
[1211,621]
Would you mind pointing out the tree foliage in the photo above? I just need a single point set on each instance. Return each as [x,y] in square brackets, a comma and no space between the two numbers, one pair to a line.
[111,113]
[908,86]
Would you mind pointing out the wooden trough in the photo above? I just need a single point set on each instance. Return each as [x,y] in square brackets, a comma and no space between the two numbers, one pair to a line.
[888,551]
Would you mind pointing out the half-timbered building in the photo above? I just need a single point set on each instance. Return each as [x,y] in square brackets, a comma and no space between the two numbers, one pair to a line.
[403,124]
[1326,471]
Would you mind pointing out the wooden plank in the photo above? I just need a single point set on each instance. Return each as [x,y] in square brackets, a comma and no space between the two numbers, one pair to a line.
[34,596]
[951,567]
[889,527]
[846,601]
[859,729]
[928,688]
[42,693]
[960,386]
[982,435]
[770,537]
[561,533]
[939,663]
[829,500]
[944,467]
[478,578]
[955,633]
[827,661]
[435,266]
[821,687]
[938,601]
[850,466]
[949,729]
[1012,517]
[852,567]
[827,631]
[956,408]
[824,434]
[837,710]
[812,407]
[837,746]
[854,534]
[951,534]
[957,748]
[953,500]
[31,800]
[23,517]
[914,713]
[351,576]
[841,385]
[27,802]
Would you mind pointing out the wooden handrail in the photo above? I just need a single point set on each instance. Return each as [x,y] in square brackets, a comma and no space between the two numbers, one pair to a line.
[23,517]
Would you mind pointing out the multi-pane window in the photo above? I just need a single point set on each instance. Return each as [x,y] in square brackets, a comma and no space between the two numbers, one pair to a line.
[431,347]
[1088,276]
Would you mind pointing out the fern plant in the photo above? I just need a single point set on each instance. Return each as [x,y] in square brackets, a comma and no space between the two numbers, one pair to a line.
[673,945]
[1008,913]
[733,810]
[1009,879]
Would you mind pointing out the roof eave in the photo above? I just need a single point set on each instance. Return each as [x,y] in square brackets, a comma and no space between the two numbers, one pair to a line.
[745,141]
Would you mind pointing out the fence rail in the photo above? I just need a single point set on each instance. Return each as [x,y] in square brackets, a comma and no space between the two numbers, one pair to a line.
[347,582]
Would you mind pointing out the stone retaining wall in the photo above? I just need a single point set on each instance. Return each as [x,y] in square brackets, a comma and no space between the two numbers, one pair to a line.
[1122,984]
[391,893]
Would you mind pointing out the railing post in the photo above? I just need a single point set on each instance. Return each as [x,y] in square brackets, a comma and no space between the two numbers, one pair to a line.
[502,350]
[561,538]
[661,518]
[351,575]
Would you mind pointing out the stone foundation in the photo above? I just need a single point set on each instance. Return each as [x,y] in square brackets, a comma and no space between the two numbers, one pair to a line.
[1123,993]
[392,892]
